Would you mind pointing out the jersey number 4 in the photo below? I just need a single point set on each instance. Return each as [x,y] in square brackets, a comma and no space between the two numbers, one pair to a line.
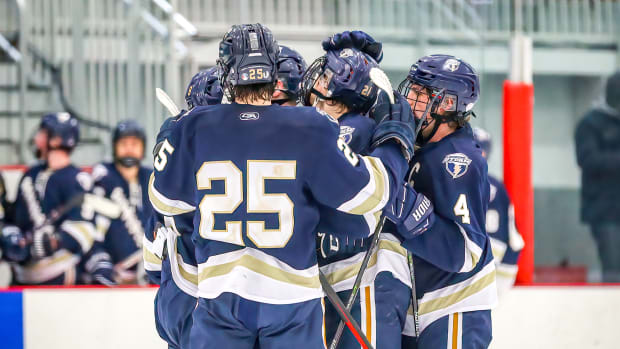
[257,201]
[461,209]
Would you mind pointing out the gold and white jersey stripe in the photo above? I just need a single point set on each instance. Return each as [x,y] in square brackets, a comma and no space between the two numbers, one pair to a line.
[47,268]
[388,257]
[257,276]
[479,292]
[375,194]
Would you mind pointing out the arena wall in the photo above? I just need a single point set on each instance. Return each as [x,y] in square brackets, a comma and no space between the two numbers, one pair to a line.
[528,317]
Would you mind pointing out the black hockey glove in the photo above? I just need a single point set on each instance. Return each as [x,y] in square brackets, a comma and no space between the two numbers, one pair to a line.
[411,212]
[394,122]
[355,39]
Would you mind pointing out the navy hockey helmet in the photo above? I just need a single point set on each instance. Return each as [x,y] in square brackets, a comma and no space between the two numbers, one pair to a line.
[204,89]
[483,138]
[128,128]
[248,55]
[344,76]
[291,67]
[441,82]
[64,126]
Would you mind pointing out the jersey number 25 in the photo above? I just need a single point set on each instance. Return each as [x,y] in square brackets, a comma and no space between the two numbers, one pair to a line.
[257,201]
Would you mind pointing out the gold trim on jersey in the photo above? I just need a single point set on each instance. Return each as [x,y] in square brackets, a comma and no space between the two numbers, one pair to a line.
[258,266]
[170,208]
[448,300]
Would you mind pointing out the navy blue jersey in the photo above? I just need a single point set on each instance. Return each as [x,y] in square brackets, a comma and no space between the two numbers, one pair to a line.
[123,235]
[506,241]
[339,255]
[453,259]
[41,191]
[254,177]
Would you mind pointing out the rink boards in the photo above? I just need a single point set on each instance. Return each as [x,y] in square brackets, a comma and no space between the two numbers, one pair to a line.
[528,317]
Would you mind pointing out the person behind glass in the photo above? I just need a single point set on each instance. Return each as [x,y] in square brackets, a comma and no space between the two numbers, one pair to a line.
[597,142]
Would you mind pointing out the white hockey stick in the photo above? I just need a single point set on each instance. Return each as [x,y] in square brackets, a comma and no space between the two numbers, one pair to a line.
[166,101]
[379,78]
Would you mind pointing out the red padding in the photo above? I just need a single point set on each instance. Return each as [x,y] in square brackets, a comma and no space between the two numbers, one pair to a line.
[518,129]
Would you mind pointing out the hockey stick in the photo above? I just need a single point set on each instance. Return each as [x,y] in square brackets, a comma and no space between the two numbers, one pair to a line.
[379,78]
[358,281]
[167,102]
[414,298]
[344,313]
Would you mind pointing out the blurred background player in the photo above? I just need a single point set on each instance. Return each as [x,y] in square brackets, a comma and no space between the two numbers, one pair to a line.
[258,286]
[385,294]
[506,242]
[291,67]
[57,248]
[597,141]
[454,269]
[175,269]
[125,182]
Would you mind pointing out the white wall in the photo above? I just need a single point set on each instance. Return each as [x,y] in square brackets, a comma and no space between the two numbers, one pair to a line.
[529,317]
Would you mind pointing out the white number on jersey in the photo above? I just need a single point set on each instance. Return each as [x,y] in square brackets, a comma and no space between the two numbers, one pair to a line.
[257,201]
[161,159]
[460,209]
[492,225]
[348,153]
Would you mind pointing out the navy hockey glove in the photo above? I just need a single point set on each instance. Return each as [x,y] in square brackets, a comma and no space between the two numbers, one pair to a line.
[14,244]
[356,39]
[99,267]
[330,245]
[394,121]
[411,212]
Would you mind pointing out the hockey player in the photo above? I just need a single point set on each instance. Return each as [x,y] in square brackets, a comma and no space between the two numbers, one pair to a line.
[449,189]
[175,270]
[291,67]
[125,182]
[55,242]
[506,242]
[260,175]
[381,307]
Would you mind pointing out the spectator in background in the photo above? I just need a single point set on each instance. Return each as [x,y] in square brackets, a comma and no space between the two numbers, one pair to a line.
[125,182]
[506,242]
[597,140]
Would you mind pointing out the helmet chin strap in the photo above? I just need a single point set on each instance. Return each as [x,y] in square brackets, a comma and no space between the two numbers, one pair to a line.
[128,161]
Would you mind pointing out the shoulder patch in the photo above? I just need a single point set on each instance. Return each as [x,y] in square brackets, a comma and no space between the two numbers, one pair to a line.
[346,133]
[456,164]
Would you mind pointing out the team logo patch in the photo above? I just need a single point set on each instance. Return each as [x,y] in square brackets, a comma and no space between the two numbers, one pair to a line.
[249,116]
[347,52]
[451,65]
[456,164]
[346,133]
[244,76]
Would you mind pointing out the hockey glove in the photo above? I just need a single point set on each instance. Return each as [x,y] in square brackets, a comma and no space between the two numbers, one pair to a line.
[99,266]
[44,242]
[394,121]
[14,244]
[411,212]
[355,39]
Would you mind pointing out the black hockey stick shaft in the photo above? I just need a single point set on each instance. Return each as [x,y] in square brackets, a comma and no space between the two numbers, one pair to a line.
[358,280]
[345,315]
[414,298]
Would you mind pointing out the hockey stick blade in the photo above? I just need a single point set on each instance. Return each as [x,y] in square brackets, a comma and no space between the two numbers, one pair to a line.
[166,101]
[358,280]
[344,314]
[102,205]
[379,78]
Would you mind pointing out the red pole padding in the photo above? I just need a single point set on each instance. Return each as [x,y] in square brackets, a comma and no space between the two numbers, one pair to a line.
[518,129]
